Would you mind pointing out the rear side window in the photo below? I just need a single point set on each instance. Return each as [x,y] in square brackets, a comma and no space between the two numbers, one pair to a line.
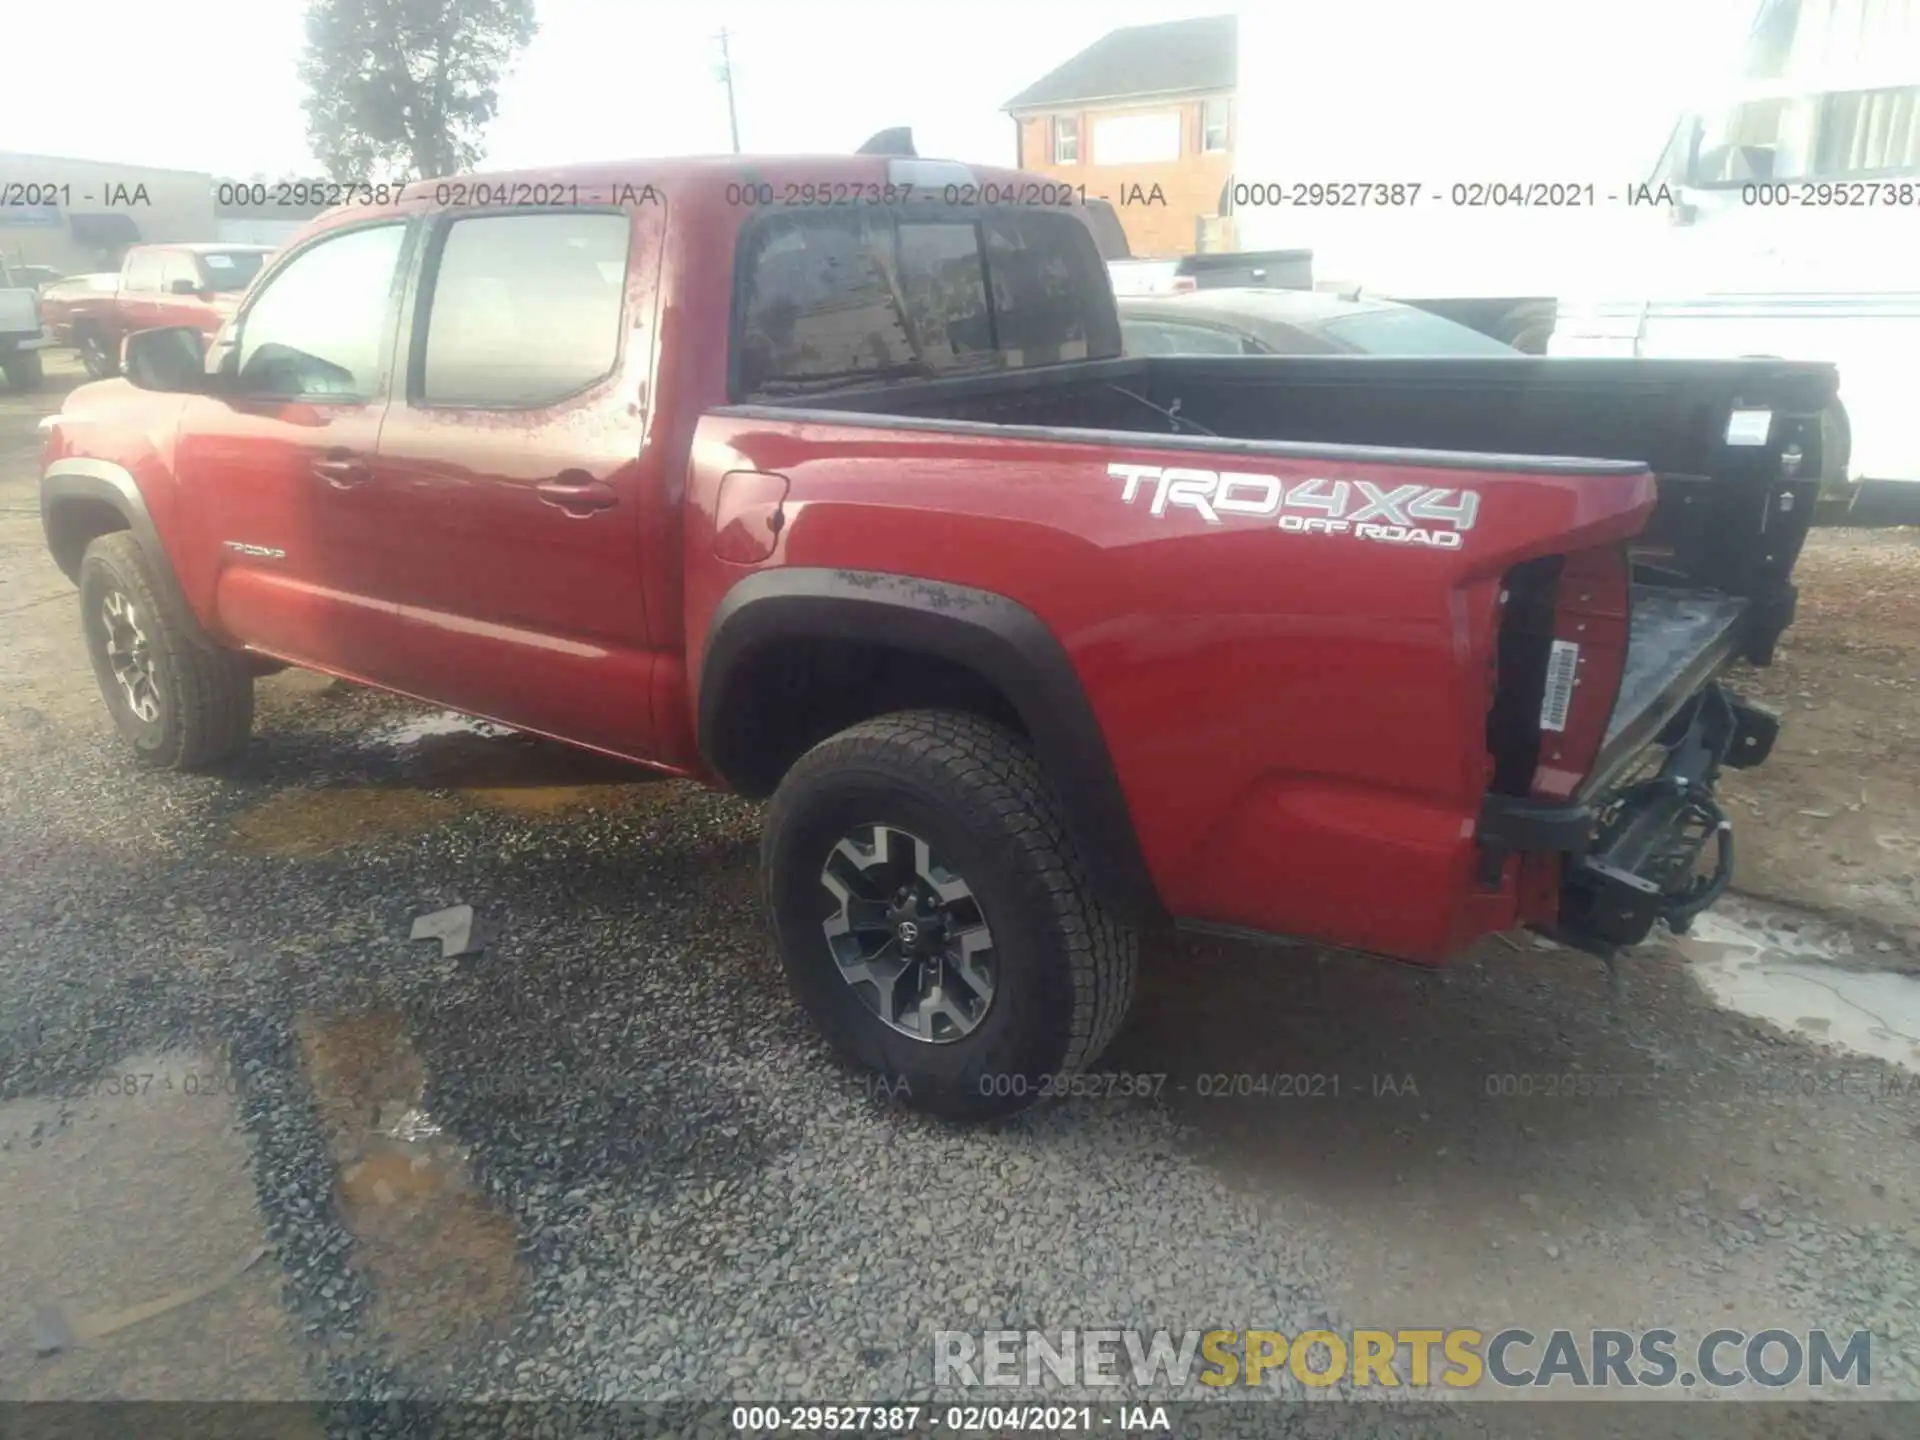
[525,309]
[852,295]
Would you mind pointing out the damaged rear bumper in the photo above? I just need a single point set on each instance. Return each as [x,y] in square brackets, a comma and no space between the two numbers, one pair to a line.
[1630,849]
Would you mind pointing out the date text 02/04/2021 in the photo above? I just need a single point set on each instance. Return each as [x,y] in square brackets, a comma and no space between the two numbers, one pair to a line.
[963,1419]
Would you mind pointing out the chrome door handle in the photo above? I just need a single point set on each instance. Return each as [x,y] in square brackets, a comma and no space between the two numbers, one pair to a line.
[342,471]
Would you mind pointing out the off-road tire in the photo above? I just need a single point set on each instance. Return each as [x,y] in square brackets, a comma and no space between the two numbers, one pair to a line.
[23,369]
[1064,967]
[203,693]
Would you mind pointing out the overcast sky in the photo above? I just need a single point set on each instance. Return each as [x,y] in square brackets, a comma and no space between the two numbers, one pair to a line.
[211,84]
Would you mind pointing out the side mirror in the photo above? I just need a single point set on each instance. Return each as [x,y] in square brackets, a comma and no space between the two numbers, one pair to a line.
[184,287]
[171,359]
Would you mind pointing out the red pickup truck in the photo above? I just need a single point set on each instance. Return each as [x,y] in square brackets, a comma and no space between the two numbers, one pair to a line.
[827,480]
[160,285]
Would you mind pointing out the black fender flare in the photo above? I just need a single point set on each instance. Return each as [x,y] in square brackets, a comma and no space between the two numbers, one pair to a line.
[101,482]
[999,639]
[77,479]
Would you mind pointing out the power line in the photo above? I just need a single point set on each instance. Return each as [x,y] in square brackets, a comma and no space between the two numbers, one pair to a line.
[726,75]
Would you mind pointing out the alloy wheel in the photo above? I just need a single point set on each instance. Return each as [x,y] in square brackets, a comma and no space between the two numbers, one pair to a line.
[907,933]
[130,655]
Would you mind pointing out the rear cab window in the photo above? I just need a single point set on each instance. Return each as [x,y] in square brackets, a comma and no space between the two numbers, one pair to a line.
[229,271]
[1406,330]
[845,296]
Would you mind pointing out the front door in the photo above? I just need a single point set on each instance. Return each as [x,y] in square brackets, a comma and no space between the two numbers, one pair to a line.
[138,302]
[508,534]
[279,457]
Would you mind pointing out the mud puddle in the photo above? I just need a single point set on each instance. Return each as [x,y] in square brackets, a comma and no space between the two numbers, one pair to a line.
[1807,981]
[447,763]
[440,1261]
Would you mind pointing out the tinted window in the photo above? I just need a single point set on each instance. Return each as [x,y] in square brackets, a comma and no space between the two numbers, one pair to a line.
[525,310]
[319,328]
[857,295]
[1407,331]
[231,270]
[143,270]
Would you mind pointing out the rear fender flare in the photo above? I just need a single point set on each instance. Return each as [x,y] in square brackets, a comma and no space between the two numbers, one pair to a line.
[997,638]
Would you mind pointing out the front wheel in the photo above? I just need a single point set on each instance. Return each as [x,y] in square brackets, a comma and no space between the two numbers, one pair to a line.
[96,355]
[23,369]
[935,918]
[178,699]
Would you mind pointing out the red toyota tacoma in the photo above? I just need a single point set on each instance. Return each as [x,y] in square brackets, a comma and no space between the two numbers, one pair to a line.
[160,285]
[827,480]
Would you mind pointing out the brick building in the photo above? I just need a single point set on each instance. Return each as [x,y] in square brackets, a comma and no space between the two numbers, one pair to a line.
[1147,105]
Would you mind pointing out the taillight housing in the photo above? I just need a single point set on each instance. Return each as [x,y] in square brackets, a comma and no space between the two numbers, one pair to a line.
[1561,651]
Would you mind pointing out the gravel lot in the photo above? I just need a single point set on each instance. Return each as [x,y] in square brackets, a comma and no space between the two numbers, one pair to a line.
[605,1158]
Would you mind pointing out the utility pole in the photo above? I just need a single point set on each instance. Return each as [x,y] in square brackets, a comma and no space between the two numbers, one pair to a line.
[726,75]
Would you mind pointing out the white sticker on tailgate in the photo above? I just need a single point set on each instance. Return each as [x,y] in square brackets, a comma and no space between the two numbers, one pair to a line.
[1562,663]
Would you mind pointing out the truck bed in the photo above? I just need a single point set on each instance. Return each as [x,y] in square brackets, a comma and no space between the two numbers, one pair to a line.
[1733,509]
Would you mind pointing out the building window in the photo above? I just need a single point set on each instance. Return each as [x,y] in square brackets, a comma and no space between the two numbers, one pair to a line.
[1137,139]
[1066,140]
[1213,125]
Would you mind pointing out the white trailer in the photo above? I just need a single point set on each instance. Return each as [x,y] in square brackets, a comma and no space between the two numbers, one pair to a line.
[1796,224]
[1779,215]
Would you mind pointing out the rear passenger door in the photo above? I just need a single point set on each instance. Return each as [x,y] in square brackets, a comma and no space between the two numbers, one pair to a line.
[503,520]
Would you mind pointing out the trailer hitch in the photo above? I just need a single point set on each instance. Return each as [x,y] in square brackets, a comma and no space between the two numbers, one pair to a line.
[1650,834]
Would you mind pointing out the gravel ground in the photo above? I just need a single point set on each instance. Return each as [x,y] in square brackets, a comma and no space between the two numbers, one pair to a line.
[605,1158]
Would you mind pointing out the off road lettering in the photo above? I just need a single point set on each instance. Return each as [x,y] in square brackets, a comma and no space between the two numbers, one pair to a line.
[1413,514]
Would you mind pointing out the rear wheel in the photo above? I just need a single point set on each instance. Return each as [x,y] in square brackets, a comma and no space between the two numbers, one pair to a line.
[96,354]
[23,369]
[177,698]
[935,919]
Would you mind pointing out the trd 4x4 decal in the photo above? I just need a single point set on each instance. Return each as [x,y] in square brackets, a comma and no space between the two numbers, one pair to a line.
[1403,515]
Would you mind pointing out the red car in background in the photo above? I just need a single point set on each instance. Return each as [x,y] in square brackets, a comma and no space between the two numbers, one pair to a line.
[158,285]
[59,299]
